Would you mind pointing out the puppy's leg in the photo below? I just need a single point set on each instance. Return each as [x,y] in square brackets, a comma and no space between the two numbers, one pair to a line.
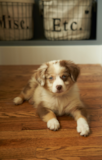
[26,93]
[80,115]
[48,116]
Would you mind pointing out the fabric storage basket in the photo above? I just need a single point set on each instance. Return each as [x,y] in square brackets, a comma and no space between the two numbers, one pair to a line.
[16,19]
[67,19]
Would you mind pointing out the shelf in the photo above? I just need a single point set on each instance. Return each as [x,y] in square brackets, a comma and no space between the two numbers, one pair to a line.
[39,32]
[48,43]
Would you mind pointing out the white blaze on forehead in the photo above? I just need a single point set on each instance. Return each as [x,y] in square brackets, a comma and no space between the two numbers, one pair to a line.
[54,61]
[57,70]
[57,67]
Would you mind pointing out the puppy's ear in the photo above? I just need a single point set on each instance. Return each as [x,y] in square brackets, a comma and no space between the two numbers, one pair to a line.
[74,71]
[40,74]
[72,68]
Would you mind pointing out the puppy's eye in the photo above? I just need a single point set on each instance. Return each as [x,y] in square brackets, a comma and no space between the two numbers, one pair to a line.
[64,77]
[51,78]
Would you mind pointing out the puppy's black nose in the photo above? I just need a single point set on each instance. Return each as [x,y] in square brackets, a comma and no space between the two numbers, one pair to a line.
[59,87]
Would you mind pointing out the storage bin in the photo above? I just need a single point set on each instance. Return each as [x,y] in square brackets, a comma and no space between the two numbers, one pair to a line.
[16,19]
[67,19]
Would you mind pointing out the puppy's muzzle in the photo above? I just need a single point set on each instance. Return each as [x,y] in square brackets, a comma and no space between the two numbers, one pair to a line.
[59,87]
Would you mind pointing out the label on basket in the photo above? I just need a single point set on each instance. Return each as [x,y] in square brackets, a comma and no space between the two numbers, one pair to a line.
[16,21]
[57,25]
[67,20]
[8,22]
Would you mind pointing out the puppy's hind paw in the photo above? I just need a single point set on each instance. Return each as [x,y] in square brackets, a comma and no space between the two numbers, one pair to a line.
[53,124]
[18,100]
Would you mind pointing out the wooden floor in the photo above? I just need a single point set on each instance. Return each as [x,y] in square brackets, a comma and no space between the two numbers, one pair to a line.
[24,136]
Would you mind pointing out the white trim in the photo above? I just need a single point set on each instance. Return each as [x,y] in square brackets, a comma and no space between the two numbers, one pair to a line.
[101,55]
[21,1]
[32,55]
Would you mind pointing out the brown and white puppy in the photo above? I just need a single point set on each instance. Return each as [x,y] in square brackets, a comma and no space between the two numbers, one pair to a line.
[54,91]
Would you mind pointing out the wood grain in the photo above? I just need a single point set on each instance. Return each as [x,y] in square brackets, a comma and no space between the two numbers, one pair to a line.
[91,158]
[68,151]
[24,136]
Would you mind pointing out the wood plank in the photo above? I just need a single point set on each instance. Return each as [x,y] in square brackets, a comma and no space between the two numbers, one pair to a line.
[91,79]
[69,141]
[4,69]
[88,85]
[91,158]
[93,101]
[21,124]
[68,151]
[20,139]
[92,93]
[64,158]
[37,134]
[17,153]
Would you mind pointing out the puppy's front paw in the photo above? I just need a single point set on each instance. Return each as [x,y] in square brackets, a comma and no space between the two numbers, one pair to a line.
[53,124]
[82,127]
[18,100]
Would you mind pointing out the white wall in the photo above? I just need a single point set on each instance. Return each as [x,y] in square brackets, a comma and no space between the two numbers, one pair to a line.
[38,54]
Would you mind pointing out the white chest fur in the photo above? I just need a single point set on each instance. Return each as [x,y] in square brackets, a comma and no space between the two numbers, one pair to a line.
[58,104]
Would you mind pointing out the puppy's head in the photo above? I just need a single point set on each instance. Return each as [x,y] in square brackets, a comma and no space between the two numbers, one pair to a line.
[57,76]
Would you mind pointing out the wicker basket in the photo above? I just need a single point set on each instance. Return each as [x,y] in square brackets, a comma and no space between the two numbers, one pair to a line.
[67,19]
[16,19]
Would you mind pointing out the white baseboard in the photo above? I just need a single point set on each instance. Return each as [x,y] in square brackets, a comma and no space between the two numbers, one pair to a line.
[32,55]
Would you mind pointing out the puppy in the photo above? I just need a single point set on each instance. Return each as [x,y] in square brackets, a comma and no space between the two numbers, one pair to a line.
[54,91]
